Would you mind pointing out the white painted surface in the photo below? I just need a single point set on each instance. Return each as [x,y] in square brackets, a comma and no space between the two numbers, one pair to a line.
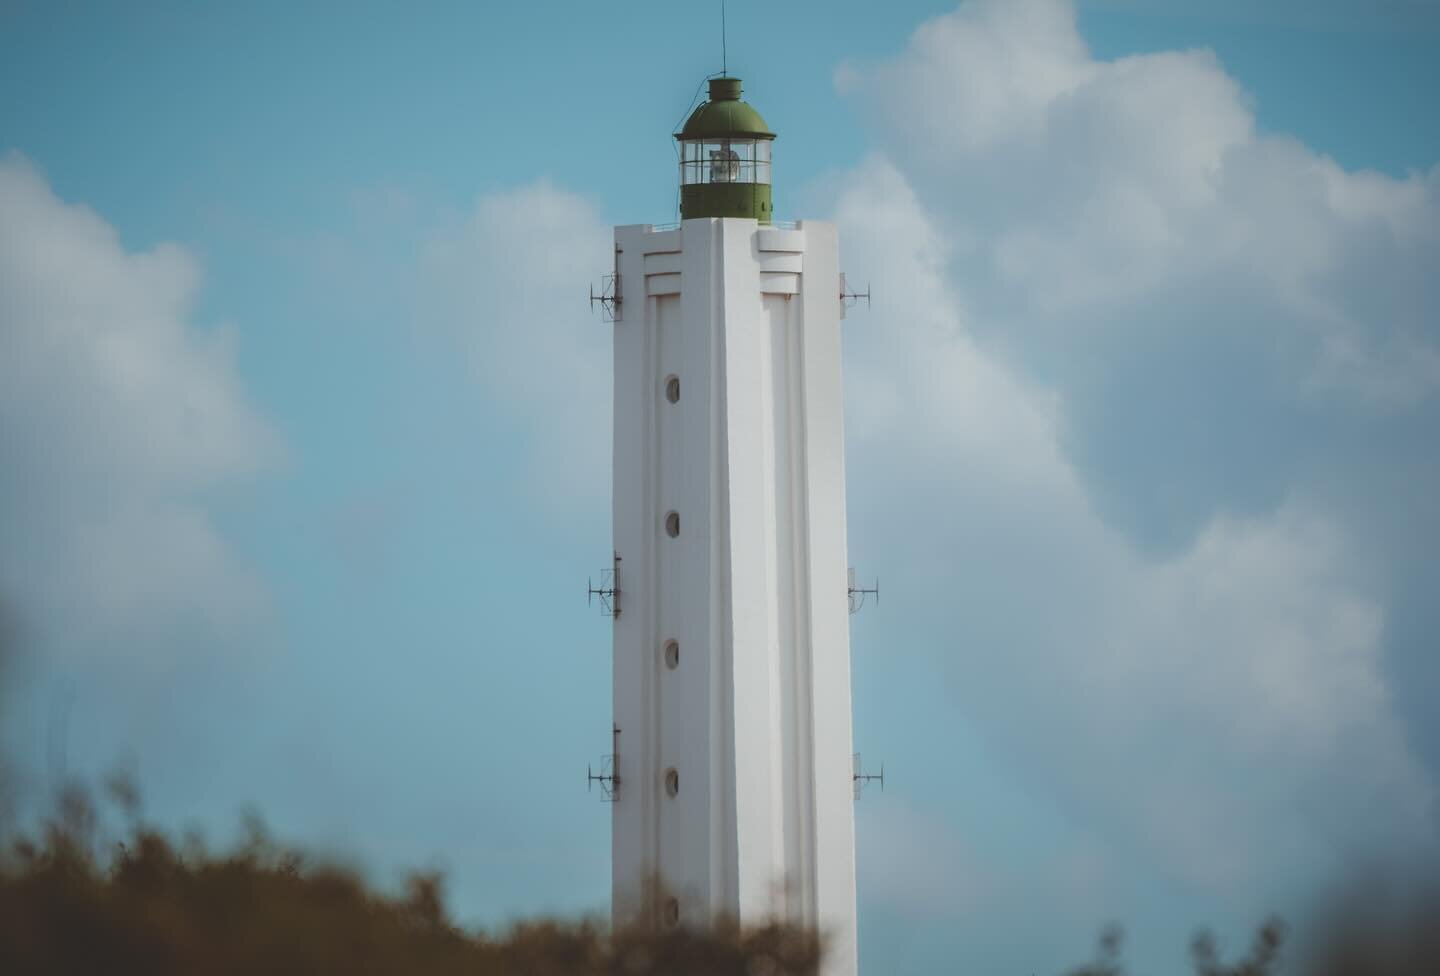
[756,717]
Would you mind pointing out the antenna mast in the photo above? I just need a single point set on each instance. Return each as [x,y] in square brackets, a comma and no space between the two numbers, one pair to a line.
[724,56]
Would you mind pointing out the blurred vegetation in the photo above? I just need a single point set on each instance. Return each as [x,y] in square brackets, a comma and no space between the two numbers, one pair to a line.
[1376,925]
[73,902]
[1262,960]
[79,897]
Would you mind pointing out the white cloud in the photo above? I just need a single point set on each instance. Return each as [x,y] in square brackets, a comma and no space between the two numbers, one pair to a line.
[1084,194]
[118,416]
[1001,63]
[917,863]
[509,284]
[1199,709]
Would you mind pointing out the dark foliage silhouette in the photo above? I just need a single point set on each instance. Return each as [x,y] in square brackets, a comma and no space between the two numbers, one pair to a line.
[76,899]
[72,902]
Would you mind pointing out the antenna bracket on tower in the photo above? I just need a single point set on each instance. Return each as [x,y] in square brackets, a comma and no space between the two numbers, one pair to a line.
[858,593]
[608,297]
[607,777]
[608,591]
[848,298]
[861,779]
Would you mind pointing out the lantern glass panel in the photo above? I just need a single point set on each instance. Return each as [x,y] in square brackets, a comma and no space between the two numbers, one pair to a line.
[724,161]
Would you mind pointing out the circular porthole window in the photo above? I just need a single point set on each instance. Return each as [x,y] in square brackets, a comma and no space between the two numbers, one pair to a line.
[672,524]
[672,781]
[672,912]
[671,653]
[672,389]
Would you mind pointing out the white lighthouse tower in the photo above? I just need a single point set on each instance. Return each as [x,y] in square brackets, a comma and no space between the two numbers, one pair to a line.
[732,767]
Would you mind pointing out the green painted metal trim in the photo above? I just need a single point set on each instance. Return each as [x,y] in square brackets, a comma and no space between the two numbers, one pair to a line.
[724,89]
[748,200]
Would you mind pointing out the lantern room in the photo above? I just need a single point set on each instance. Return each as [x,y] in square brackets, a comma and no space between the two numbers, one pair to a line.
[725,158]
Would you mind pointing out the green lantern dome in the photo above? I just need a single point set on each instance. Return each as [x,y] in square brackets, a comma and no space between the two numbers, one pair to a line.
[725,158]
[724,115]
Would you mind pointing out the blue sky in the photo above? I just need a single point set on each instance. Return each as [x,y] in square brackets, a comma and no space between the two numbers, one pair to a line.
[306,431]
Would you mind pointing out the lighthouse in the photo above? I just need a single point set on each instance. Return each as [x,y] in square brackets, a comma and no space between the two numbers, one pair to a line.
[732,766]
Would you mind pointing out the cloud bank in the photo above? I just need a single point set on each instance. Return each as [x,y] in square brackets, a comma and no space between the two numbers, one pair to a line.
[1122,337]
[120,420]
[1202,704]
[1080,191]
[508,285]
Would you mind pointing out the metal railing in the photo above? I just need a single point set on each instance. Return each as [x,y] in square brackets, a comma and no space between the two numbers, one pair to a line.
[777,224]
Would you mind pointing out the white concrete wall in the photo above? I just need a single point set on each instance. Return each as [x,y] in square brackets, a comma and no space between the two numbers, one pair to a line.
[756,717]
